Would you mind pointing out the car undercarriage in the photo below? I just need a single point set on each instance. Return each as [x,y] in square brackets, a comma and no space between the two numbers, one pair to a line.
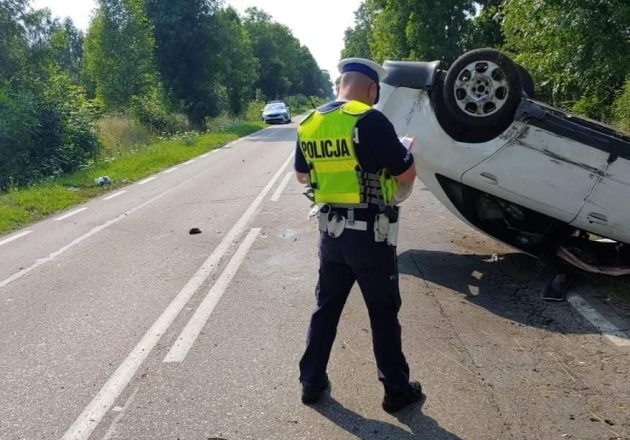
[536,233]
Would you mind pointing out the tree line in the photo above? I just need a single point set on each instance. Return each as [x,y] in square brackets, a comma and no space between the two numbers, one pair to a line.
[577,51]
[152,60]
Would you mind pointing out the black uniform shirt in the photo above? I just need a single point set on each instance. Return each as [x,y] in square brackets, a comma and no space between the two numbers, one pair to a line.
[378,145]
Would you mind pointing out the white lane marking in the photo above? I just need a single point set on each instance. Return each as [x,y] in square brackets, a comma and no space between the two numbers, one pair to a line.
[147,180]
[276,196]
[70,214]
[14,237]
[608,329]
[205,155]
[87,235]
[187,337]
[121,411]
[188,162]
[119,193]
[170,170]
[92,415]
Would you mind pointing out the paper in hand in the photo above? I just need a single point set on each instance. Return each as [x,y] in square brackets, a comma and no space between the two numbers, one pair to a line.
[408,142]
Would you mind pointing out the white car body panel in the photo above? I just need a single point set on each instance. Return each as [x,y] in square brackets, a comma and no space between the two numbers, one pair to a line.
[550,174]
[541,171]
[434,151]
[607,210]
[532,176]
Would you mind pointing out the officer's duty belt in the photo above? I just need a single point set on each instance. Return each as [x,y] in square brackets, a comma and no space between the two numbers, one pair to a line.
[365,215]
[357,225]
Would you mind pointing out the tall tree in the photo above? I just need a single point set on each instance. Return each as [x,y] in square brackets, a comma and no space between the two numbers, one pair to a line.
[356,39]
[186,54]
[485,28]
[66,44]
[286,67]
[273,79]
[388,37]
[45,121]
[236,65]
[13,44]
[422,29]
[119,53]
[578,50]
[418,29]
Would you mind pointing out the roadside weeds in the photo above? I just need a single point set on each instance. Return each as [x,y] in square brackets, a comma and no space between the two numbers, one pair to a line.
[21,207]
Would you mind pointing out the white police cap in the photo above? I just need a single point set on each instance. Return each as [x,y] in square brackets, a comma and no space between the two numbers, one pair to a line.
[367,67]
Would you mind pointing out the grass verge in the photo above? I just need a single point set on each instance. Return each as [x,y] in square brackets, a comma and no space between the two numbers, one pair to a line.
[21,207]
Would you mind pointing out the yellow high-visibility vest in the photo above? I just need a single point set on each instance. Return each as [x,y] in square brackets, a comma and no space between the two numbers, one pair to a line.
[326,141]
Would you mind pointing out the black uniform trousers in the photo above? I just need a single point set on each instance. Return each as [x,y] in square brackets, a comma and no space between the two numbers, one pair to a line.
[356,256]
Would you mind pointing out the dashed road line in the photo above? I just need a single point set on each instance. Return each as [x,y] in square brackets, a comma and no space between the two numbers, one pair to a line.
[87,235]
[70,214]
[607,328]
[121,413]
[189,335]
[14,237]
[92,415]
[119,193]
[188,162]
[147,180]
[170,170]
[276,195]
[205,154]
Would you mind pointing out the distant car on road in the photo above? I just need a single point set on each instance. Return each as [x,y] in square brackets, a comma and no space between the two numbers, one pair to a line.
[276,111]
[540,179]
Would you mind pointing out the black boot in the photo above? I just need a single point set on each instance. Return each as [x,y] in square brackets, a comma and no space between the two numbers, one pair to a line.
[393,402]
[312,394]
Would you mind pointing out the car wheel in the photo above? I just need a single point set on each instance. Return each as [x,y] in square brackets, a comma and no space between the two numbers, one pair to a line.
[455,129]
[526,81]
[483,87]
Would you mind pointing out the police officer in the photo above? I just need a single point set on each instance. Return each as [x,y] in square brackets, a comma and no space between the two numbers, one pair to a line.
[352,159]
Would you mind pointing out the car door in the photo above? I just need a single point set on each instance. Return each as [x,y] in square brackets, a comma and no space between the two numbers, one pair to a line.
[607,211]
[542,171]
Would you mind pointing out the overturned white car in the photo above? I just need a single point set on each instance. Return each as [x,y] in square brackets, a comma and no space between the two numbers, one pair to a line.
[532,176]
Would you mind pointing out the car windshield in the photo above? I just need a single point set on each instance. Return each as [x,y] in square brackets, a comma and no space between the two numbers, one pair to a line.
[274,107]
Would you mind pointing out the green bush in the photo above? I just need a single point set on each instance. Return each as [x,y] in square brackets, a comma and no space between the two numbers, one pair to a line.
[254,110]
[592,107]
[621,108]
[151,112]
[300,103]
[18,117]
[45,129]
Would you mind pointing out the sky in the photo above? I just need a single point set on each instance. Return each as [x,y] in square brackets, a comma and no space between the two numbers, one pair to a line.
[319,25]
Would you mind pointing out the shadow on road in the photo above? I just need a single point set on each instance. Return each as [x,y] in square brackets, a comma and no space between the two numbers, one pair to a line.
[508,285]
[420,425]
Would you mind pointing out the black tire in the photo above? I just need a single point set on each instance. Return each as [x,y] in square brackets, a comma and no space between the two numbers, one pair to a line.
[487,94]
[527,82]
[456,130]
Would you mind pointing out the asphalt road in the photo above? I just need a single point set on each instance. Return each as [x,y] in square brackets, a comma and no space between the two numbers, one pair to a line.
[116,323]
